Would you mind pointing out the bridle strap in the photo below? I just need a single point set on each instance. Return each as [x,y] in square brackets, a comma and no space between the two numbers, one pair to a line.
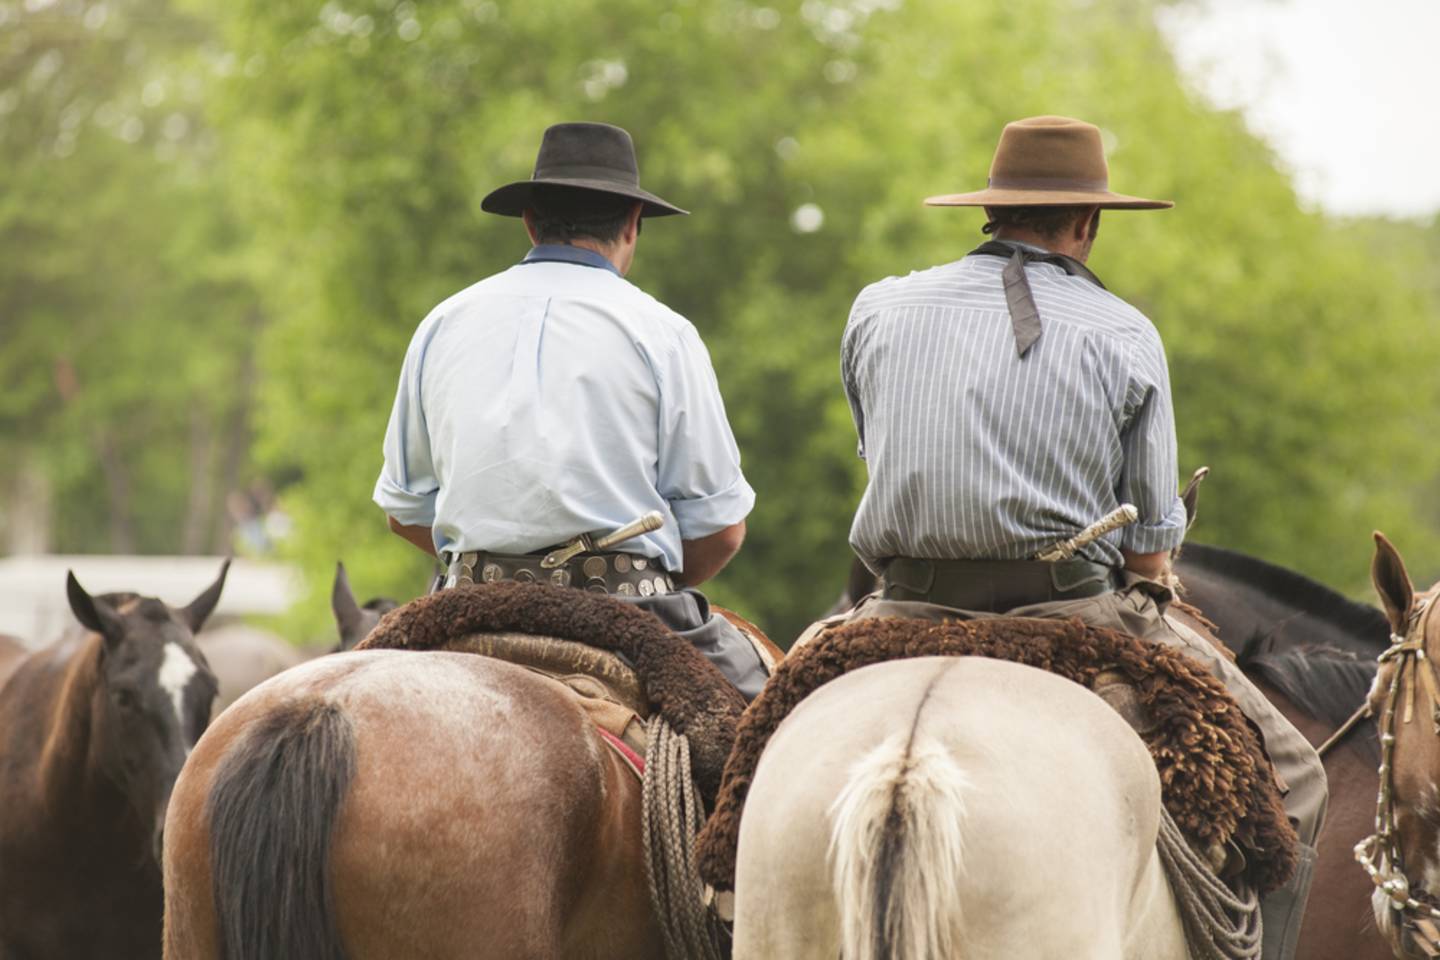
[1379,853]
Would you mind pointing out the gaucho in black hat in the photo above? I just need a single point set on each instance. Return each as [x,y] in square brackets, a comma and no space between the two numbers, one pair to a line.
[555,403]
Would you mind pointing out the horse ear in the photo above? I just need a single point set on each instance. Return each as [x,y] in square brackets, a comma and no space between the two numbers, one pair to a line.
[348,615]
[93,614]
[1392,582]
[199,609]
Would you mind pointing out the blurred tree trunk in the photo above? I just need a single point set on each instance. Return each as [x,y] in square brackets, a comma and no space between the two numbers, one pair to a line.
[200,508]
[236,438]
[117,487]
[28,513]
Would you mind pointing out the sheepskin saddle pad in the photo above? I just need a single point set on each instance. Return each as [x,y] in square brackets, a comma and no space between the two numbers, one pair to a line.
[1216,780]
[672,678]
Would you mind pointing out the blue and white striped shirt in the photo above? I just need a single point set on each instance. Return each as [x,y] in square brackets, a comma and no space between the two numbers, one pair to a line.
[977,453]
[555,399]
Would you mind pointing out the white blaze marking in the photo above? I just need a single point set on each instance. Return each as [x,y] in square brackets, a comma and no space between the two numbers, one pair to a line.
[175,672]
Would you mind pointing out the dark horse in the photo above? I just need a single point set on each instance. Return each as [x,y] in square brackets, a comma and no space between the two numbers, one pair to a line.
[93,731]
[1312,652]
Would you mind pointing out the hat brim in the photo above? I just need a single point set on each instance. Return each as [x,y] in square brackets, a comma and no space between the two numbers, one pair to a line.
[1047,198]
[512,199]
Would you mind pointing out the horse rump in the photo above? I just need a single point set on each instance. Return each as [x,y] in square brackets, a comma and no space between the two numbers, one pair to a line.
[896,851]
[271,809]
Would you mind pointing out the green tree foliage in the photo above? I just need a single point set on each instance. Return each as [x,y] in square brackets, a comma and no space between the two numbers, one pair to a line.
[358,137]
[124,314]
[371,130]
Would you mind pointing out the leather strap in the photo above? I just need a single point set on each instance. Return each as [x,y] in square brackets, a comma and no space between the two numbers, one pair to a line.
[994,586]
[1024,315]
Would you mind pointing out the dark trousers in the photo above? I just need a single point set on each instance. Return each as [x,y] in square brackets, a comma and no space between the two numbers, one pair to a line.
[687,613]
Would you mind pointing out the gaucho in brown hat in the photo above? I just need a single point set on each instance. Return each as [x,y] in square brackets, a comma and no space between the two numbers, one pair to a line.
[1007,401]
[556,400]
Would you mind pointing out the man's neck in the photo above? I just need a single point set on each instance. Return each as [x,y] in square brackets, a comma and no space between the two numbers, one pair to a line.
[1049,244]
[610,251]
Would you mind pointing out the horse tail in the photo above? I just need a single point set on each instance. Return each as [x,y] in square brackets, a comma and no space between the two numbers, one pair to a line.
[896,851]
[274,802]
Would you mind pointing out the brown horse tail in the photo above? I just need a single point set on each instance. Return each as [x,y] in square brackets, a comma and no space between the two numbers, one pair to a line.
[274,802]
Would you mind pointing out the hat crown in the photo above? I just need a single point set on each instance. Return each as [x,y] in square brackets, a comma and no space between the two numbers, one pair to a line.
[598,151]
[1059,152]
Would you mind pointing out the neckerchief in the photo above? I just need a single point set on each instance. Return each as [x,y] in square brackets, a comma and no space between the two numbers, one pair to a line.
[1024,316]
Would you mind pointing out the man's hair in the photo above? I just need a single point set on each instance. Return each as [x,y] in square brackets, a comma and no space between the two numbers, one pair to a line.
[1046,221]
[562,214]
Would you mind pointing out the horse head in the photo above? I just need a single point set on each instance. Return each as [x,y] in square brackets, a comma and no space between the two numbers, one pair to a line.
[1404,856]
[153,692]
[353,620]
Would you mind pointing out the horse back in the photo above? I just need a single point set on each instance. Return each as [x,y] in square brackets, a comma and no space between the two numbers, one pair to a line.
[1048,790]
[478,808]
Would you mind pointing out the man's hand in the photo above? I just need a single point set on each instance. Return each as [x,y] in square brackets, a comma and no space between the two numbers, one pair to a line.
[1151,566]
[422,537]
[707,556]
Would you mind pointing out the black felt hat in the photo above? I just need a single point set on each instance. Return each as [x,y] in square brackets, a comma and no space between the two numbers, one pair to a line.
[590,156]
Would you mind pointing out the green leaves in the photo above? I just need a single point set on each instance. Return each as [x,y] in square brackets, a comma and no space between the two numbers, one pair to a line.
[325,191]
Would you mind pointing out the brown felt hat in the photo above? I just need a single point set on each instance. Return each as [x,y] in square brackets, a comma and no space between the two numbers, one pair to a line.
[1048,161]
[589,156]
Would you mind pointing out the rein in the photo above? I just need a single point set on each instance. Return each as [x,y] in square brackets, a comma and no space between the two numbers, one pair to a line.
[1417,909]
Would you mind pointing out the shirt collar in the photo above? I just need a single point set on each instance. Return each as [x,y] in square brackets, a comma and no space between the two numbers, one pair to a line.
[1025,246]
[563,253]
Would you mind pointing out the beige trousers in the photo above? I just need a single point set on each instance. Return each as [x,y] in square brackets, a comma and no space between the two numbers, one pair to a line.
[1139,610]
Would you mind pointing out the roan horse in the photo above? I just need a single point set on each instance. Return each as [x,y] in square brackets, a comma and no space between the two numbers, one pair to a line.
[384,804]
[93,732]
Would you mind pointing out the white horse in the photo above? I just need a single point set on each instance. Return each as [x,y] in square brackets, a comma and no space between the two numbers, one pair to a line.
[945,807]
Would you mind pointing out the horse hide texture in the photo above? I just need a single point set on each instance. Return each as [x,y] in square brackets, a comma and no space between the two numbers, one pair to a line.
[686,689]
[1215,779]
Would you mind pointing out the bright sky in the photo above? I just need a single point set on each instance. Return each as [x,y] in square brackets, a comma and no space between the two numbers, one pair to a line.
[1346,91]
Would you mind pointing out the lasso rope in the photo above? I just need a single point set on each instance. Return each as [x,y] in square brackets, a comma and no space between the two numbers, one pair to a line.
[1219,924]
[671,816]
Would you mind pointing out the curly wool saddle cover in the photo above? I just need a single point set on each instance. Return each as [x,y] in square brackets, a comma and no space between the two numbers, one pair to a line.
[686,689]
[1215,778]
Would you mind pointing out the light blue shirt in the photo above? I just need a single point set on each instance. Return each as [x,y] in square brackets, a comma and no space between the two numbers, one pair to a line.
[977,453]
[554,399]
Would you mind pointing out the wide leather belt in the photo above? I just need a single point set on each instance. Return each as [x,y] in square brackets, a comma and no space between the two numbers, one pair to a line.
[994,586]
[624,574]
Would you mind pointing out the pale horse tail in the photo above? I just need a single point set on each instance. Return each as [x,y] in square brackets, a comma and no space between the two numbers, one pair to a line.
[896,851]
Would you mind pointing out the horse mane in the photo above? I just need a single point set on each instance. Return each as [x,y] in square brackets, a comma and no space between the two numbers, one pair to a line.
[1326,683]
[1306,594]
[66,717]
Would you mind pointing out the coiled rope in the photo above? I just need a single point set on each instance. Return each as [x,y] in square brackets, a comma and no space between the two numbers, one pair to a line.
[671,816]
[1220,924]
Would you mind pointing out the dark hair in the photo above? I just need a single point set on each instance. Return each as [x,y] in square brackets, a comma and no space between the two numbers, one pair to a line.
[562,214]
[1046,221]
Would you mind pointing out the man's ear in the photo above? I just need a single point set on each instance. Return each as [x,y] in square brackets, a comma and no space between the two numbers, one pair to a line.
[632,224]
[1088,224]
[528,216]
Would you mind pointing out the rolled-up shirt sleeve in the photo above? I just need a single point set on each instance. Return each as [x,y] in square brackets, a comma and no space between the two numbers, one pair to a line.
[407,487]
[698,472]
[1150,473]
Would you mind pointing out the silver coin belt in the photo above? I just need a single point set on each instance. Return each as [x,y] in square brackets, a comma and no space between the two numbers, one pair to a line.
[622,574]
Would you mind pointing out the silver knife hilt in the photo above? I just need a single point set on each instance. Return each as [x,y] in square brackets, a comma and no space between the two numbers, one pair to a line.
[650,521]
[583,543]
[1122,516]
